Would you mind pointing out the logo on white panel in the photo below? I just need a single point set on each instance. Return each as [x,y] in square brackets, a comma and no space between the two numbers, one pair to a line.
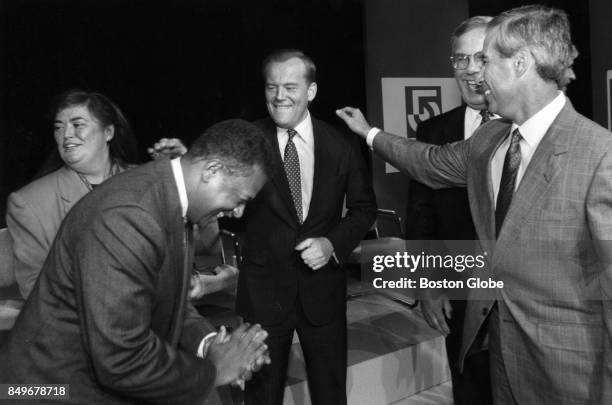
[422,103]
[407,102]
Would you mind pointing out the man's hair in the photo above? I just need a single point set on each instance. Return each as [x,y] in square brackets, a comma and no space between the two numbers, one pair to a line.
[283,55]
[545,32]
[472,23]
[238,144]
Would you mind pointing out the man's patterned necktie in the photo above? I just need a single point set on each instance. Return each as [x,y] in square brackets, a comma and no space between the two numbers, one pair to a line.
[486,116]
[291,162]
[508,179]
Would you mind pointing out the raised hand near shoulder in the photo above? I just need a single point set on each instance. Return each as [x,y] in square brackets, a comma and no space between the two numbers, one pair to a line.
[167,147]
[355,120]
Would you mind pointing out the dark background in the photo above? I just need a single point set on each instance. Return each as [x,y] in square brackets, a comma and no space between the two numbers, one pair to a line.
[176,67]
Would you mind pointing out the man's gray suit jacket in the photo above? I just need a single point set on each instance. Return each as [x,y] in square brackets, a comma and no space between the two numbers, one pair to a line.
[109,313]
[553,253]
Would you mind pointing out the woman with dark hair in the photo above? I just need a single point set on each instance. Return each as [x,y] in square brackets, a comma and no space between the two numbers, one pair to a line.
[94,141]
[122,146]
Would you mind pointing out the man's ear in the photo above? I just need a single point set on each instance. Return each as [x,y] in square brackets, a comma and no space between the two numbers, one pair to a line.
[109,132]
[523,59]
[312,91]
[210,168]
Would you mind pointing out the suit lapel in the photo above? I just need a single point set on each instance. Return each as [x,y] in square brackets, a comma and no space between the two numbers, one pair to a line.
[544,166]
[70,187]
[177,240]
[283,205]
[484,211]
[182,265]
[321,165]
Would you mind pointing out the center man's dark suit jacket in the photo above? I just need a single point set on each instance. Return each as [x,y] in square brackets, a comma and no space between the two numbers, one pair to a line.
[273,274]
[442,214]
[109,314]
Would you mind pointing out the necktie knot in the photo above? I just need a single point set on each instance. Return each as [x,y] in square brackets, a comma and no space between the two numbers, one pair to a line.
[486,116]
[292,133]
[514,150]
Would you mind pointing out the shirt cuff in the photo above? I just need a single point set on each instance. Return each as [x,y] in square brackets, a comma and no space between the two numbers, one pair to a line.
[370,137]
[205,343]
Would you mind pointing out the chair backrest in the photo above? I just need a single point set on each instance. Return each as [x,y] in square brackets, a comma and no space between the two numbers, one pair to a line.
[388,224]
[7,268]
[231,248]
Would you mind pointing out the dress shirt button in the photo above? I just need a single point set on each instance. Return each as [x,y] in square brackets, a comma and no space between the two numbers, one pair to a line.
[485,311]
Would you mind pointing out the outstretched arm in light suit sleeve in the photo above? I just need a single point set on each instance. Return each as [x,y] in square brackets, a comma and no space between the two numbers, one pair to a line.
[433,165]
[120,260]
[599,214]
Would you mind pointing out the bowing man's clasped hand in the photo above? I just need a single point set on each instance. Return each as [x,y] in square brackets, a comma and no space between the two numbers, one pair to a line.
[239,354]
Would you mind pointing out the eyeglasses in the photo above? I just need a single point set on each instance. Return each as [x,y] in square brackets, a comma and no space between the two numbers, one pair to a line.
[461,61]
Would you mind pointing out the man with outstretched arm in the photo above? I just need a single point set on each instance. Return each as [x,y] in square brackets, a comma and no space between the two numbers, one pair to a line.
[540,190]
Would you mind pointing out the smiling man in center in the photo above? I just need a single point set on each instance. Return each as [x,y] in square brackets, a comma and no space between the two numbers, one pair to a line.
[291,278]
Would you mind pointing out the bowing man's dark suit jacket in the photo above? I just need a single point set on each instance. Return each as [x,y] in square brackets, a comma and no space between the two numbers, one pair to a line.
[273,274]
[109,314]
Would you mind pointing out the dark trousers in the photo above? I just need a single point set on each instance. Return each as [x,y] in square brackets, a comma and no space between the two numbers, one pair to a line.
[473,385]
[325,352]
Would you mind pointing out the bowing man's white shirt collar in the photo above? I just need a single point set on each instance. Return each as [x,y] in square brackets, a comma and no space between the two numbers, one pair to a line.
[177,170]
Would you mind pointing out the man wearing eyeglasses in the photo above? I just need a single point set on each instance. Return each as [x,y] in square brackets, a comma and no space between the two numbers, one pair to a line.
[445,214]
